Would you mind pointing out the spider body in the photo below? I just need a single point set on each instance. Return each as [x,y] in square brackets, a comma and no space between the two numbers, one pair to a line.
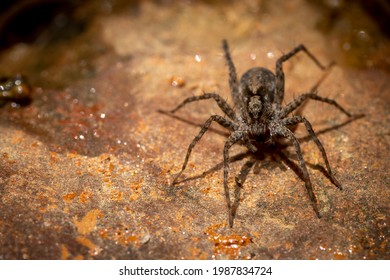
[258,117]
[256,90]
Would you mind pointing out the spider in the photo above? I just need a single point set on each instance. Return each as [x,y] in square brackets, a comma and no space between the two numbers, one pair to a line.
[258,117]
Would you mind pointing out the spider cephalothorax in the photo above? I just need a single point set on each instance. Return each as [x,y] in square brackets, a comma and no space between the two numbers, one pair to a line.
[258,117]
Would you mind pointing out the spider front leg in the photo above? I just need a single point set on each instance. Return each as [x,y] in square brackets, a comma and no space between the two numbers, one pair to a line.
[292,105]
[281,130]
[223,105]
[233,83]
[299,119]
[279,80]
[222,121]
[233,139]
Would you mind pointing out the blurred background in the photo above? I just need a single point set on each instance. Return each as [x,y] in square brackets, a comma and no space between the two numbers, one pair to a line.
[85,164]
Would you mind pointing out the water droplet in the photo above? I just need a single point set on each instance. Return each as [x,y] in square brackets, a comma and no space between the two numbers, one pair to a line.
[198,58]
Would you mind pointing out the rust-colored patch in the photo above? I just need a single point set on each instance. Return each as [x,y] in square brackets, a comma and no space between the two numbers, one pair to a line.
[116,195]
[103,233]
[79,257]
[94,121]
[69,197]
[339,256]
[88,223]
[64,252]
[127,239]
[177,81]
[227,245]
[122,236]
[135,191]
[93,249]
[84,197]
[54,158]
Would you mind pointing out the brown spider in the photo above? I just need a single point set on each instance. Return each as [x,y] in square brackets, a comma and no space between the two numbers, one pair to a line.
[259,117]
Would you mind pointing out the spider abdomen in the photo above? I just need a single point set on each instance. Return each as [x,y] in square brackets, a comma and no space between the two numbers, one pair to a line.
[258,81]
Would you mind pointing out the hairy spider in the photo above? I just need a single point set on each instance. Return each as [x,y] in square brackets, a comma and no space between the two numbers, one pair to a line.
[258,117]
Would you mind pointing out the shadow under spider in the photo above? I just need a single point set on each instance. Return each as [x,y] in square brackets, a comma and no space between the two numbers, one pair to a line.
[276,152]
[217,131]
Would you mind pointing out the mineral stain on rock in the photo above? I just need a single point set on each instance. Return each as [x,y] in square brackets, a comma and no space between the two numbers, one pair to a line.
[88,222]
[85,167]
[227,246]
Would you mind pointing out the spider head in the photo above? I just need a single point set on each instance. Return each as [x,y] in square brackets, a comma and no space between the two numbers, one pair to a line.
[255,106]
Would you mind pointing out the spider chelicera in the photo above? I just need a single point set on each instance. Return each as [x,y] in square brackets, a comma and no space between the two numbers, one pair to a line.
[258,117]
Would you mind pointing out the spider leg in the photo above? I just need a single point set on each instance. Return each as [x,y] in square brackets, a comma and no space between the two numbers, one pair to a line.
[292,105]
[241,177]
[279,80]
[324,76]
[285,132]
[240,180]
[222,121]
[299,119]
[220,101]
[233,84]
[233,139]
[315,87]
